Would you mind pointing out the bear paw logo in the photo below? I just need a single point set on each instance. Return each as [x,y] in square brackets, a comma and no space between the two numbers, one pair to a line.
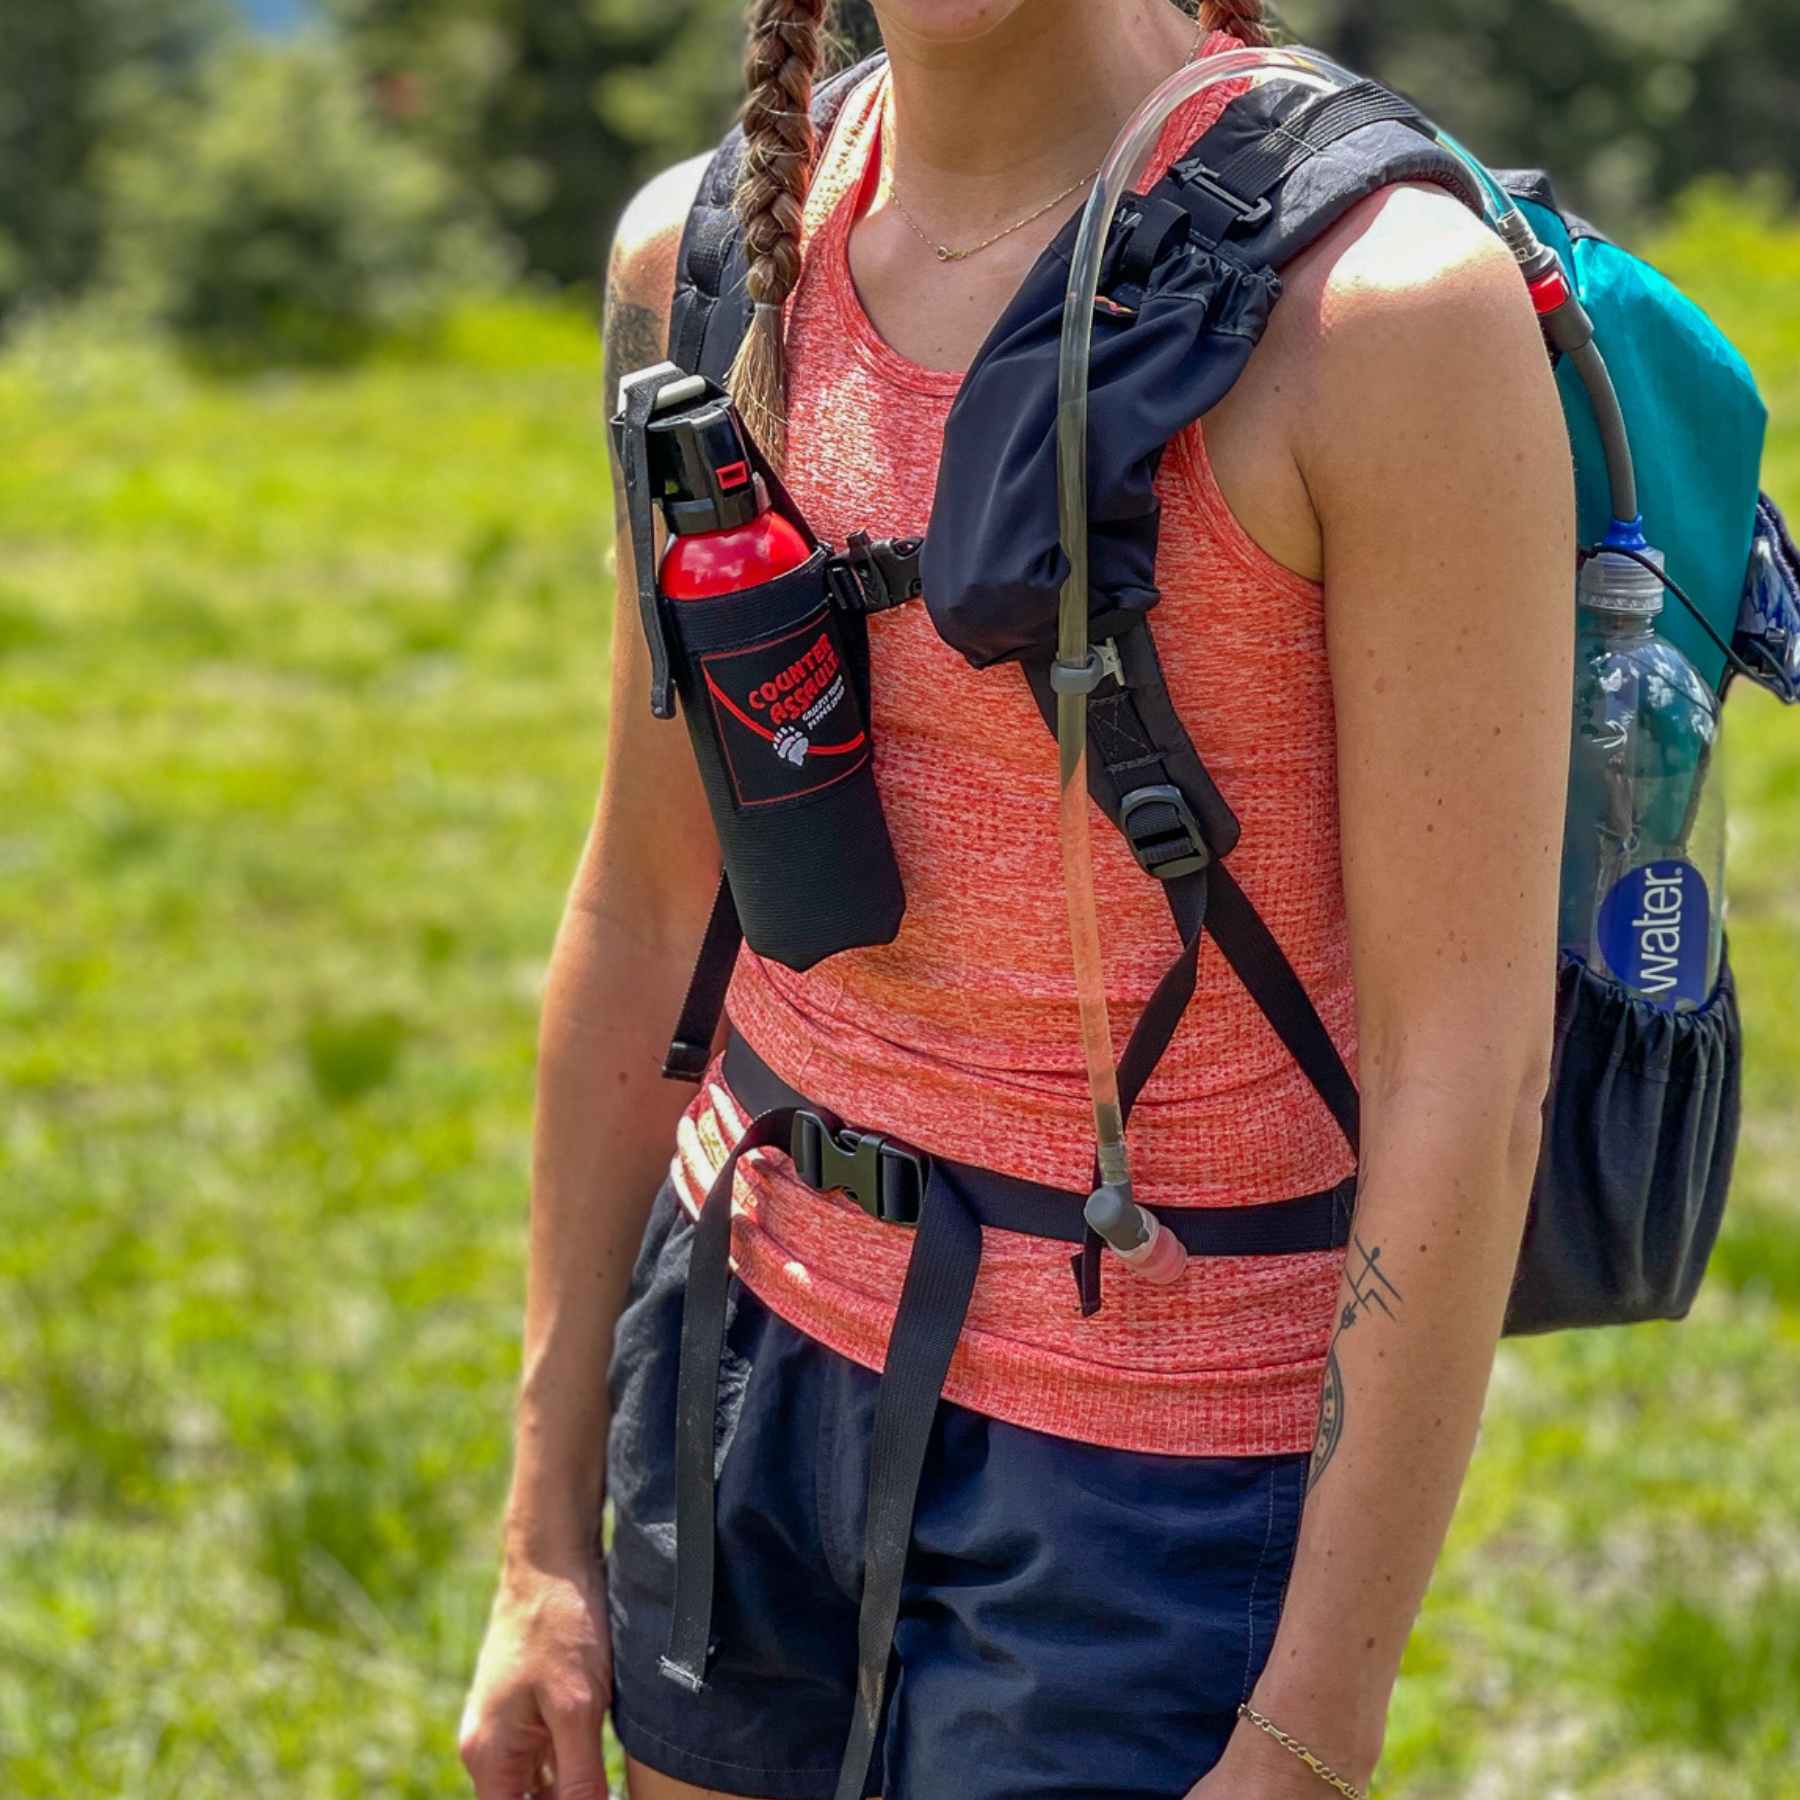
[791,745]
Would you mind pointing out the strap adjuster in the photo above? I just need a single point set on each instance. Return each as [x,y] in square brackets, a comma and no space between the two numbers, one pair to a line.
[1163,833]
[885,1178]
[1247,212]
[873,574]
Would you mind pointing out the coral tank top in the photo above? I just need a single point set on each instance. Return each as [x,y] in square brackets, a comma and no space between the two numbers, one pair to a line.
[961,1035]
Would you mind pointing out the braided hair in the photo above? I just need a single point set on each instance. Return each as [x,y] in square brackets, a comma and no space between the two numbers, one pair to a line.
[786,42]
[1246,20]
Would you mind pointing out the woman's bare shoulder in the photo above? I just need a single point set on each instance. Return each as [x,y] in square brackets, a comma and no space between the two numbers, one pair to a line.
[640,273]
[1410,304]
[1408,256]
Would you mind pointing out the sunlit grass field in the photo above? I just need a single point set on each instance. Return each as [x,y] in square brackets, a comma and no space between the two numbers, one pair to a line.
[302,701]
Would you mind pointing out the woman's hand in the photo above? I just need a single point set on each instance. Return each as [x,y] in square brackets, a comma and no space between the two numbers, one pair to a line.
[532,1721]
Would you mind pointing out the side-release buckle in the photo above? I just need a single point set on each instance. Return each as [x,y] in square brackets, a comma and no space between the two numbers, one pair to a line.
[871,574]
[886,1179]
[1163,833]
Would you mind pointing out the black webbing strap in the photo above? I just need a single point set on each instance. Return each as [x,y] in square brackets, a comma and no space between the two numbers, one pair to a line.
[1262,966]
[703,1310]
[1150,1037]
[1137,744]
[1211,898]
[690,1050]
[1261,167]
[934,1301]
[957,1201]
[1007,1203]
[1146,775]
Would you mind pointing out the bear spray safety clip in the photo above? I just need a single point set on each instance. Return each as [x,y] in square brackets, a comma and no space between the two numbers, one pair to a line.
[642,395]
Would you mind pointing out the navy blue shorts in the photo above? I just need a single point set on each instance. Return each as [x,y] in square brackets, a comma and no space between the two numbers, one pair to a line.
[1076,1621]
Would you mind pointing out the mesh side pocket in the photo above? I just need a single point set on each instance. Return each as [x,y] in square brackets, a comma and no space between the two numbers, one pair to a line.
[1640,1130]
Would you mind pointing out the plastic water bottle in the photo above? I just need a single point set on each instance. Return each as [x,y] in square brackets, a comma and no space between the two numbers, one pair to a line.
[1644,840]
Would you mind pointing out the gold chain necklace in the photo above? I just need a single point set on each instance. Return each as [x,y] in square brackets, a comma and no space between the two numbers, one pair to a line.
[944,252]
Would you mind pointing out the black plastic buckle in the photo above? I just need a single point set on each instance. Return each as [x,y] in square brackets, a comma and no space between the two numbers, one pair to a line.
[1163,833]
[886,1179]
[1247,212]
[871,575]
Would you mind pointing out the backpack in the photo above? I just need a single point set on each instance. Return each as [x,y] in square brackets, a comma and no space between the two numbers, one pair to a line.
[1642,1114]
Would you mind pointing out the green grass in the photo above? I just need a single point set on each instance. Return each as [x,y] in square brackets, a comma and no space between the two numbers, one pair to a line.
[302,682]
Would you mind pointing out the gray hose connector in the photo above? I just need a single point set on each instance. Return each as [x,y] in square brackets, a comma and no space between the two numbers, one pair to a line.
[1114,1215]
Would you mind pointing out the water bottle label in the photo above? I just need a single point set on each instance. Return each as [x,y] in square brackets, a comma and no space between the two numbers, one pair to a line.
[1653,930]
[789,722]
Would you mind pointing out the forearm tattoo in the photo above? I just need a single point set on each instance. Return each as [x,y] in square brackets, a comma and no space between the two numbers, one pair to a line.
[1370,1292]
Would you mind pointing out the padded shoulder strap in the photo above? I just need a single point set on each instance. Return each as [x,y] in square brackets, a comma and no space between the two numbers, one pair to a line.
[1266,181]
[711,310]
[1271,177]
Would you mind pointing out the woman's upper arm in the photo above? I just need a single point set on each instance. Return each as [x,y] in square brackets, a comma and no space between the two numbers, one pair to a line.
[651,858]
[1438,462]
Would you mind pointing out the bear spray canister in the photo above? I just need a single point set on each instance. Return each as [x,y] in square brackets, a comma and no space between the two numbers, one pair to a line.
[772,676]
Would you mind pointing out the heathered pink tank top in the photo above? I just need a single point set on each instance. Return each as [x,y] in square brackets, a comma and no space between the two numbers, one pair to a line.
[961,1035]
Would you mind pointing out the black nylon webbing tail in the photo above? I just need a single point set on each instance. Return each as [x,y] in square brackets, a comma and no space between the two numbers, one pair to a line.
[946,1256]
[940,1277]
[703,1311]
[690,1050]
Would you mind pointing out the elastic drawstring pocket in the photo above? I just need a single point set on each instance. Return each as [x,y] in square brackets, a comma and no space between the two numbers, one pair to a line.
[1639,1136]
[773,682]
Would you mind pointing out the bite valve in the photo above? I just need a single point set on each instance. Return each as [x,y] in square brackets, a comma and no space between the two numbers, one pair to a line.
[1141,1241]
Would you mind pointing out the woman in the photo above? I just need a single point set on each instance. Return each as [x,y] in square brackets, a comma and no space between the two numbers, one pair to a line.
[1111,1550]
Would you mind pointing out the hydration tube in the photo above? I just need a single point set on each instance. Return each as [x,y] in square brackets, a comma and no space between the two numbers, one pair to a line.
[1111,1211]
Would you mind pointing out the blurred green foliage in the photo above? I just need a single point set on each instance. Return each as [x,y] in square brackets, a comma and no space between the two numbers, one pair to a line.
[267,216]
[77,76]
[304,687]
[539,117]
[553,111]
[1624,102]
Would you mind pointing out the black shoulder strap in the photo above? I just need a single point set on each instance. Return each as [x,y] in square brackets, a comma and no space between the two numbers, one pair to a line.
[1270,178]
[707,320]
[1266,181]
[711,309]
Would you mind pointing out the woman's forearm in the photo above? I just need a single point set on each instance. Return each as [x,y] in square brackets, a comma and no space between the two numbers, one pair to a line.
[604,1129]
[1447,1172]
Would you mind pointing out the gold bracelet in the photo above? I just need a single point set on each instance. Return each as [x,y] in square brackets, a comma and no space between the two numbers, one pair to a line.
[1325,1773]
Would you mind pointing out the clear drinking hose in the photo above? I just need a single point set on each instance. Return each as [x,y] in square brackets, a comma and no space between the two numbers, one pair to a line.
[1112,1211]
[1123,164]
